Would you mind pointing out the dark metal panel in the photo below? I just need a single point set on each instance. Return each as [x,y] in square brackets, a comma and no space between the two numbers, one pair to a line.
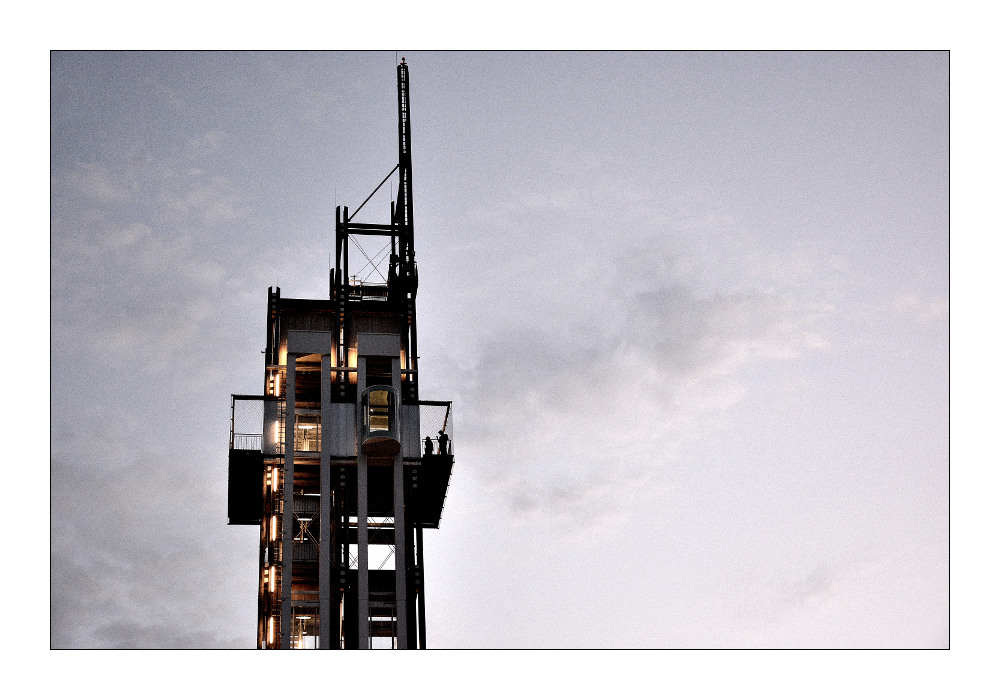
[246,491]
[433,477]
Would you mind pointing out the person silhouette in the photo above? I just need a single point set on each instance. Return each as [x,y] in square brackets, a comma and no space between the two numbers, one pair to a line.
[442,443]
[428,445]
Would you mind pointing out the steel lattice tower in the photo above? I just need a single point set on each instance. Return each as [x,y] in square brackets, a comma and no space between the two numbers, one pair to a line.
[329,461]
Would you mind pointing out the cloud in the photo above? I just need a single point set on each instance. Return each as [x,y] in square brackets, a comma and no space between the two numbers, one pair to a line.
[204,144]
[919,307]
[144,290]
[144,264]
[578,429]
[616,342]
[818,584]
[716,335]
[92,182]
[131,554]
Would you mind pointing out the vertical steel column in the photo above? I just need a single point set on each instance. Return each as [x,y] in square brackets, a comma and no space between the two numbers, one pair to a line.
[326,530]
[411,569]
[344,551]
[363,594]
[261,567]
[347,247]
[421,623]
[399,522]
[288,515]
[412,312]
[335,271]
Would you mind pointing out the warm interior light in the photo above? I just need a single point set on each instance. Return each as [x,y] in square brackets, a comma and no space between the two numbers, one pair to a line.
[274,528]
[270,584]
[352,361]
[270,630]
[378,410]
[277,383]
[307,433]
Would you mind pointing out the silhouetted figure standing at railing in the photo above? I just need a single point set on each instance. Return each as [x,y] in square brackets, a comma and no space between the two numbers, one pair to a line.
[442,443]
[428,445]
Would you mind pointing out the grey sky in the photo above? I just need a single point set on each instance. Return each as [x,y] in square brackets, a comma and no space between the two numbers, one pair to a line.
[692,309]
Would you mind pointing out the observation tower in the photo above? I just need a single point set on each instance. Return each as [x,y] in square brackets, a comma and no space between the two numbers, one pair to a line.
[339,462]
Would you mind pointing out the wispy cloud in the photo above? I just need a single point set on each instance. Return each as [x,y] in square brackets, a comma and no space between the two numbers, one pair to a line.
[142,272]
[923,308]
[127,561]
[586,427]
[136,258]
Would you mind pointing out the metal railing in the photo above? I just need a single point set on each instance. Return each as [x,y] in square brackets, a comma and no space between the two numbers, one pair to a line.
[246,421]
[246,441]
[364,291]
[438,424]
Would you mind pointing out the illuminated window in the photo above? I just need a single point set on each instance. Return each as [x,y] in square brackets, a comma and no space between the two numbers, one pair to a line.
[305,628]
[307,433]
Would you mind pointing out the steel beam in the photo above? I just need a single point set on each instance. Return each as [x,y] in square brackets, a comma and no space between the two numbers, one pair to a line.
[326,530]
[363,594]
[288,516]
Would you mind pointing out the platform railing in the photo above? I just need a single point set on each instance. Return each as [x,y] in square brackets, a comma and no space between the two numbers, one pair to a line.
[246,441]
[437,422]
[246,421]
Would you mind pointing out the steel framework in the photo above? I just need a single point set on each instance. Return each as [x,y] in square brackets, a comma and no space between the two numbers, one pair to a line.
[338,477]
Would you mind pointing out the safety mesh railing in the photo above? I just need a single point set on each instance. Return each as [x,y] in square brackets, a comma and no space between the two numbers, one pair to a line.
[246,424]
[437,427]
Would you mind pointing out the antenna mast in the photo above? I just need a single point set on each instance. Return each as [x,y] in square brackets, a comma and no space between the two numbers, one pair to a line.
[404,206]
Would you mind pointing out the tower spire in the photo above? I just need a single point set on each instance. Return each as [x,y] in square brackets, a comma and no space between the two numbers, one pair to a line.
[404,205]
